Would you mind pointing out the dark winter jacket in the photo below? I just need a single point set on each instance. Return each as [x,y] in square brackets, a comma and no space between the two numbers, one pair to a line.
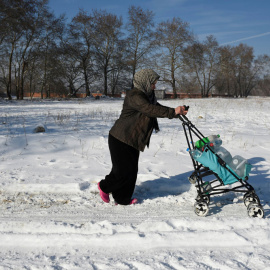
[138,119]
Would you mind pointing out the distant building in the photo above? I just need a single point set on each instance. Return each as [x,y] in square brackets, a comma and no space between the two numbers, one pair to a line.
[160,94]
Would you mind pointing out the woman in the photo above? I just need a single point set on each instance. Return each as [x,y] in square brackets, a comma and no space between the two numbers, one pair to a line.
[130,134]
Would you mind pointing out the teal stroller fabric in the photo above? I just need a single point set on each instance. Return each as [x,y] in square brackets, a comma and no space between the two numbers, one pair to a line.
[210,160]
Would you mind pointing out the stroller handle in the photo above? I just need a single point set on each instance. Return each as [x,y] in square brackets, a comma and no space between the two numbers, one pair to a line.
[182,117]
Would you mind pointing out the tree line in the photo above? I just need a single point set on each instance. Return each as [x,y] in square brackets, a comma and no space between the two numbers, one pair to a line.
[96,51]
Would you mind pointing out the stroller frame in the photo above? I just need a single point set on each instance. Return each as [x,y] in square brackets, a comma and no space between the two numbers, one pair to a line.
[205,189]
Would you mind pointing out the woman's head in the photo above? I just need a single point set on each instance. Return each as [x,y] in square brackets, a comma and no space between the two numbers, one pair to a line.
[145,79]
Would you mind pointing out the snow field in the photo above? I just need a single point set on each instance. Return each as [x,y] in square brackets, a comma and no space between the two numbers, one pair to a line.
[51,216]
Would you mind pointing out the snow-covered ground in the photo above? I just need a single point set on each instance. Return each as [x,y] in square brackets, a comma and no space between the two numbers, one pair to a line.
[51,215]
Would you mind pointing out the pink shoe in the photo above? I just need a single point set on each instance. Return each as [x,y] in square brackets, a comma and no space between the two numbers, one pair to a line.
[133,201]
[104,196]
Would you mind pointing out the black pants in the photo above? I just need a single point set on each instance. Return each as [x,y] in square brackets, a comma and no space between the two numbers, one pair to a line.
[122,178]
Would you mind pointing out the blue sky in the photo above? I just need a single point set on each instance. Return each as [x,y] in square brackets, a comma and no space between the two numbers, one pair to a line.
[230,21]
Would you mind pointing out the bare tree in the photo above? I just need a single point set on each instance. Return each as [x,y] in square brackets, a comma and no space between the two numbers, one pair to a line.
[71,71]
[24,30]
[255,74]
[41,30]
[33,76]
[81,44]
[240,72]
[140,40]
[12,16]
[243,57]
[49,50]
[106,41]
[37,55]
[11,40]
[172,36]
[119,69]
[225,75]
[263,86]
[202,60]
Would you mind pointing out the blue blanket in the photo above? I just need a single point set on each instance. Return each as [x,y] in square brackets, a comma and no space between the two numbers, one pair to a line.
[210,160]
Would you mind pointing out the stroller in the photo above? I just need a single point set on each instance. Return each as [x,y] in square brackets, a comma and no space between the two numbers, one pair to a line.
[210,159]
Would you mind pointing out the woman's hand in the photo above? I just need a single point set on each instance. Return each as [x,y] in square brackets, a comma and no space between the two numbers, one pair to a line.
[180,110]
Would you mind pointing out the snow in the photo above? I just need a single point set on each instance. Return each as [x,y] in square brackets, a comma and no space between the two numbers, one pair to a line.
[51,215]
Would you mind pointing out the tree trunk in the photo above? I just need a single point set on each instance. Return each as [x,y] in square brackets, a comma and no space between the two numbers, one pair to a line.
[9,73]
[21,84]
[133,71]
[173,85]
[87,89]
[105,81]
[45,76]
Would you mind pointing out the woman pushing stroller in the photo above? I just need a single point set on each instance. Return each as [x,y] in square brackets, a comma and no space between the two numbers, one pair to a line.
[130,134]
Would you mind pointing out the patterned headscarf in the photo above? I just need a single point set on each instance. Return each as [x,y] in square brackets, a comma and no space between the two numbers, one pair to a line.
[143,80]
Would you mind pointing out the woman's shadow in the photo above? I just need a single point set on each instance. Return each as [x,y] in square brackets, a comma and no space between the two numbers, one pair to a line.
[163,187]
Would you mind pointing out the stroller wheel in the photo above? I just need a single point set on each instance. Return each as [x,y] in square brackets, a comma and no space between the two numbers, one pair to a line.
[204,198]
[201,208]
[255,210]
[251,198]
[193,179]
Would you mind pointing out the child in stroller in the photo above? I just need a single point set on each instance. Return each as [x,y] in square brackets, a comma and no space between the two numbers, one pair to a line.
[210,158]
